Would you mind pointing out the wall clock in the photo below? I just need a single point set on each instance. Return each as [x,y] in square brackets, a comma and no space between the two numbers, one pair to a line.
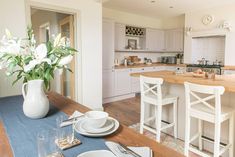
[207,19]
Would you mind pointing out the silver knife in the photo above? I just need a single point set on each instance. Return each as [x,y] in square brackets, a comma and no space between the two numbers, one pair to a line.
[120,151]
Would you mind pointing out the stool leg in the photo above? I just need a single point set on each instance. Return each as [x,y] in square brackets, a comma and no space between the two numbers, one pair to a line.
[158,122]
[217,138]
[231,135]
[175,118]
[142,112]
[200,133]
[187,134]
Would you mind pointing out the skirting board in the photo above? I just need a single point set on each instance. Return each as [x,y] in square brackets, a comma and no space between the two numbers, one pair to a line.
[117,98]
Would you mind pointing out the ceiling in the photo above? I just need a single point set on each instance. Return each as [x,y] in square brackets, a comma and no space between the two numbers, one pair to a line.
[162,8]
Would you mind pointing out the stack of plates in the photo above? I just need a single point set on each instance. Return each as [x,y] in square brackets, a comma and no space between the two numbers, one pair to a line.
[85,129]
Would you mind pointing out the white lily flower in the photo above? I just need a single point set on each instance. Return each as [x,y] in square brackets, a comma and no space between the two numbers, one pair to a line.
[66,60]
[40,52]
[57,40]
[31,65]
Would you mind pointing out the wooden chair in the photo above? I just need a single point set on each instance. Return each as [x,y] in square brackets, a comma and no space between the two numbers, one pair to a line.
[151,93]
[199,108]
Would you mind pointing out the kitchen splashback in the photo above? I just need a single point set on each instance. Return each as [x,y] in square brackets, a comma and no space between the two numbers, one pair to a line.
[155,57]
[211,48]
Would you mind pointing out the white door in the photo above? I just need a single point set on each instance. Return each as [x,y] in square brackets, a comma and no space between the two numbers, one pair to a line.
[120,36]
[122,82]
[108,44]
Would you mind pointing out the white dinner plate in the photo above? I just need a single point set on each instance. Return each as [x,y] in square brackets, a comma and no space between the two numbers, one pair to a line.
[82,131]
[97,153]
[107,126]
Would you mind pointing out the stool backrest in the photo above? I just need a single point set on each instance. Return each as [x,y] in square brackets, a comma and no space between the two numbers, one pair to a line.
[150,85]
[212,93]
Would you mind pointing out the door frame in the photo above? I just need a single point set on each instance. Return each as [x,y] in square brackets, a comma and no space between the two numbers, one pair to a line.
[77,37]
[69,19]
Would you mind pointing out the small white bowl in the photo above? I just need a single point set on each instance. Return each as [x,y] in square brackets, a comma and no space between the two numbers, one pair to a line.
[97,153]
[96,119]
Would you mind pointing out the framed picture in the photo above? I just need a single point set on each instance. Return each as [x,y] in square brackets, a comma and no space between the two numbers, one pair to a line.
[132,43]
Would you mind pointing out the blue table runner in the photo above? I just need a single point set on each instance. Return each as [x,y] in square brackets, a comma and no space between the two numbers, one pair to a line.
[22,131]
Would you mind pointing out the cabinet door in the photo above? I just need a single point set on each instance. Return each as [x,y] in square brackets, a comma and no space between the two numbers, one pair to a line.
[154,40]
[122,82]
[169,40]
[135,81]
[108,44]
[120,36]
[108,83]
[178,40]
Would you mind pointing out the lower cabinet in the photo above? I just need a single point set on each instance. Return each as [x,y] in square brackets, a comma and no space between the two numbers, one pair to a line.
[108,83]
[118,82]
[122,82]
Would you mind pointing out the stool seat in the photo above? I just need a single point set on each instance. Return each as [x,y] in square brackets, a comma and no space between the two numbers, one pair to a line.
[202,112]
[166,99]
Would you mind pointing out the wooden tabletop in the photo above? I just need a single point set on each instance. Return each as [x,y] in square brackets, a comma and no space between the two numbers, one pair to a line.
[124,134]
[228,81]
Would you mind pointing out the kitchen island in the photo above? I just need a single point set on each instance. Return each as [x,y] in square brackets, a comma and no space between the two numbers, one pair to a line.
[173,85]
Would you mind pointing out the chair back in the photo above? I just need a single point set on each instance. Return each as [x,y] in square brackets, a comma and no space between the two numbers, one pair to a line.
[196,94]
[151,86]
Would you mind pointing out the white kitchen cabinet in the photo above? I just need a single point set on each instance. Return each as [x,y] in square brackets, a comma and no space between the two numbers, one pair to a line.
[108,83]
[108,45]
[120,36]
[122,82]
[174,40]
[170,68]
[228,72]
[154,40]
[135,81]
[108,59]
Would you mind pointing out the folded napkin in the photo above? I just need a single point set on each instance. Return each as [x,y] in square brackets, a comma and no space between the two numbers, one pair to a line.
[75,114]
[142,151]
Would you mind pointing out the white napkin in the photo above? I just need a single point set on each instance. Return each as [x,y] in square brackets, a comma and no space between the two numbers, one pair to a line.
[75,114]
[142,151]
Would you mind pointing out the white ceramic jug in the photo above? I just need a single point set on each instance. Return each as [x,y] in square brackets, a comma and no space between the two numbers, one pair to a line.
[36,104]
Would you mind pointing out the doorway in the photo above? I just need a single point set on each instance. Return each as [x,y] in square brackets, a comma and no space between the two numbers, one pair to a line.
[46,25]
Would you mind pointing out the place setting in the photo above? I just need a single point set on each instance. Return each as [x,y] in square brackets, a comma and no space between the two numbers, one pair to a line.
[77,131]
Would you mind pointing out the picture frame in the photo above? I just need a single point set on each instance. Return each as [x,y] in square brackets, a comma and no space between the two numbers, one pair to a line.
[132,43]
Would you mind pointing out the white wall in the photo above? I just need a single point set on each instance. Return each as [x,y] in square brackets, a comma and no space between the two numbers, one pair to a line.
[89,42]
[13,18]
[174,22]
[131,19]
[220,14]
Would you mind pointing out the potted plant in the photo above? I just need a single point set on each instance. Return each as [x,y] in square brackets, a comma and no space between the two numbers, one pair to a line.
[35,64]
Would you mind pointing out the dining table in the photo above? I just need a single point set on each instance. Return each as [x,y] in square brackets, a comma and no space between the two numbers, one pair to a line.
[124,135]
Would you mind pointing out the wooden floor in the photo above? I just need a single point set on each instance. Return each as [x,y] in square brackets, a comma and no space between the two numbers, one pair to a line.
[126,111]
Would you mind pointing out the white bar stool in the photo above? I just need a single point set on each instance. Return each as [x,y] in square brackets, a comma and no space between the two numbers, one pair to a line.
[199,108]
[151,93]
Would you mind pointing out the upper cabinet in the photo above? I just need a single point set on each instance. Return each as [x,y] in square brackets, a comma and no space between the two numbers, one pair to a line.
[108,44]
[155,40]
[174,40]
[120,36]
[148,39]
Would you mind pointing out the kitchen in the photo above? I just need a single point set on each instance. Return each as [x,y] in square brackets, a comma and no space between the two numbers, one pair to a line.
[203,45]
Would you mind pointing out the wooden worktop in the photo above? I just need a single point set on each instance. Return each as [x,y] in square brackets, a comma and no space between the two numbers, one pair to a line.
[142,65]
[228,81]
